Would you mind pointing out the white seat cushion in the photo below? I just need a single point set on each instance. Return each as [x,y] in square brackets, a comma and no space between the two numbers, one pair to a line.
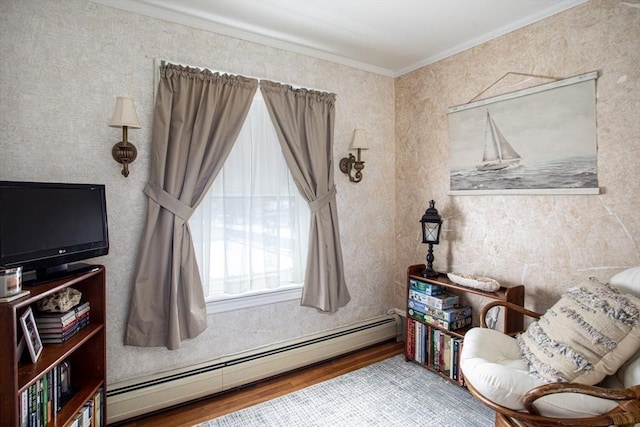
[628,281]
[492,363]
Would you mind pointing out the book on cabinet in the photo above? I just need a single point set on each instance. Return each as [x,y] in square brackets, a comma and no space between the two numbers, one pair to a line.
[437,320]
[82,356]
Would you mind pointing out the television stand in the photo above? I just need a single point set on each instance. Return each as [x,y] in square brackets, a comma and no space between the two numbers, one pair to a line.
[35,277]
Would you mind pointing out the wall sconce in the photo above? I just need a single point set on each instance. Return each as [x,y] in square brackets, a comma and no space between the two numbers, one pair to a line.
[124,116]
[431,223]
[351,163]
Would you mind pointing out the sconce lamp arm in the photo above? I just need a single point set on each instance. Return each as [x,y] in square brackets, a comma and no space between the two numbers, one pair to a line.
[350,164]
[124,152]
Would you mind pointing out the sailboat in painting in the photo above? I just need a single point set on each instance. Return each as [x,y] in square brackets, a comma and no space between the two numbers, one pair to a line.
[498,153]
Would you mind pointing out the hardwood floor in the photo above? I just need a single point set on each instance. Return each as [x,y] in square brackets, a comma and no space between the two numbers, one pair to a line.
[234,400]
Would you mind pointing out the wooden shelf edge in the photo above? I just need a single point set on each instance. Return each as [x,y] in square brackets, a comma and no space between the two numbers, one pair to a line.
[40,290]
[443,280]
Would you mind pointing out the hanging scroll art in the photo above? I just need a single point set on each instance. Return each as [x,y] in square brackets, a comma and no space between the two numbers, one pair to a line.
[540,140]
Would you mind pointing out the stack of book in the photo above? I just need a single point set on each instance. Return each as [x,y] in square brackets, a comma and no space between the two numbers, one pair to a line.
[428,303]
[55,328]
[432,312]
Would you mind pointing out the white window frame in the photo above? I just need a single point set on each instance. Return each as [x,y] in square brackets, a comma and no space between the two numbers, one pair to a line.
[249,299]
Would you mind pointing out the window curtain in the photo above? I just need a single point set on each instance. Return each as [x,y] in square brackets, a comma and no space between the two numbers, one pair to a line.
[304,121]
[197,118]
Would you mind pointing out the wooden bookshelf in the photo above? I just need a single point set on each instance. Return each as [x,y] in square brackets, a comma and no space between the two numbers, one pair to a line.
[512,321]
[85,351]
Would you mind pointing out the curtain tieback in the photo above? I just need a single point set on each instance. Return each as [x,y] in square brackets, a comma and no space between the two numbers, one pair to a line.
[167,201]
[324,200]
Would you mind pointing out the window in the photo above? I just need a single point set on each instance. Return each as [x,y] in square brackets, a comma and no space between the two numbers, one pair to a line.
[251,230]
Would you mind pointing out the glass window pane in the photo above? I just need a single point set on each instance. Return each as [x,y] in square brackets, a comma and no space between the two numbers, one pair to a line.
[251,230]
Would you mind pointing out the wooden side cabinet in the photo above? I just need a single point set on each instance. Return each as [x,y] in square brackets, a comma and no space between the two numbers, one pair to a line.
[421,333]
[85,352]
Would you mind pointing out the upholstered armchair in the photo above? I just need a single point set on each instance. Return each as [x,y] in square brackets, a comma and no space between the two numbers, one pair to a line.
[576,365]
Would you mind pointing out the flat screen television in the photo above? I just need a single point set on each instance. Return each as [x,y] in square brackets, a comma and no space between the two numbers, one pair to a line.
[46,226]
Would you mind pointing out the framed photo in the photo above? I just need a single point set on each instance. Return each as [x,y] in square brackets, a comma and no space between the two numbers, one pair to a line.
[31,336]
[540,140]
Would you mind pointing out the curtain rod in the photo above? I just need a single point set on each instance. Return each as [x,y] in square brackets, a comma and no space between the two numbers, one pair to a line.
[160,62]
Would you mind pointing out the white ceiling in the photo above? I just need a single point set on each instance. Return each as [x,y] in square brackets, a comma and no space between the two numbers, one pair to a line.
[388,37]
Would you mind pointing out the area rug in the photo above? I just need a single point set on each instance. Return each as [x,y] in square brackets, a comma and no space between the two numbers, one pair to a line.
[392,392]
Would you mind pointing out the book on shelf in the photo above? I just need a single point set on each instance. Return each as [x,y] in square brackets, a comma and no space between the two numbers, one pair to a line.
[455,358]
[429,347]
[64,335]
[57,338]
[449,326]
[435,347]
[448,314]
[410,338]
[423,341]
[61,318]
[460,373]
[440,301]
[97,407]
[416,351]
[445,354]
[44,328]
[425,287]
[90,415]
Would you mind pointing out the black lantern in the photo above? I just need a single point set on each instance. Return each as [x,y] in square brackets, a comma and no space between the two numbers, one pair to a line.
[431,223]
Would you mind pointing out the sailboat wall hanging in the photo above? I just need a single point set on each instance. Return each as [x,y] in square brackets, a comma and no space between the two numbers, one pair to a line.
[539,140]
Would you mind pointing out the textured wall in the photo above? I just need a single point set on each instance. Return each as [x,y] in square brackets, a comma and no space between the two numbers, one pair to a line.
[544,242]
[63,64]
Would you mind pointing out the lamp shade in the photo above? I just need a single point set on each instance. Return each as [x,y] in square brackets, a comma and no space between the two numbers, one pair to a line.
[359,141]
[125,113]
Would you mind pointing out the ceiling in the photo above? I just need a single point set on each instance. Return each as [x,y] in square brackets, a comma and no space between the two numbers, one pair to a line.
[388,37]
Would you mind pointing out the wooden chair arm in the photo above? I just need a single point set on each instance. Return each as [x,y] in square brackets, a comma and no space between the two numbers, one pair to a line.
[628,399]
[626,414]
[506,305]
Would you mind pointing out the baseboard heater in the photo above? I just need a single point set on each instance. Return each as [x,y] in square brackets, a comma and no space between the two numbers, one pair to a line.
[152,393]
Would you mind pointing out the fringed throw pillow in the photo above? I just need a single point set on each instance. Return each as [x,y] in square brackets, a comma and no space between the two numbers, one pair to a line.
[588,334]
